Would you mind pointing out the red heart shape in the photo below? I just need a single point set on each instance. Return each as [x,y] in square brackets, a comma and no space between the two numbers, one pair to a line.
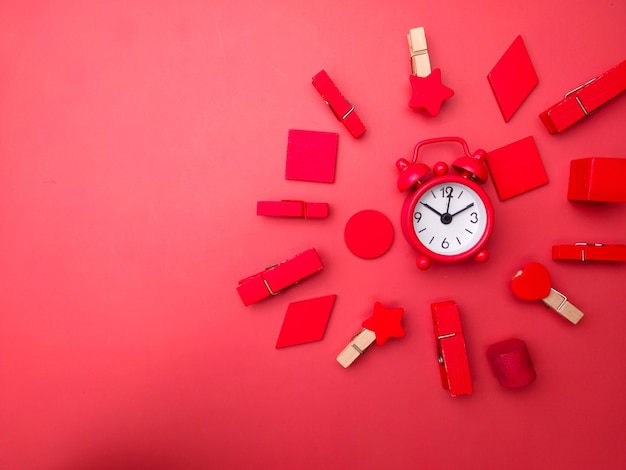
[532,282]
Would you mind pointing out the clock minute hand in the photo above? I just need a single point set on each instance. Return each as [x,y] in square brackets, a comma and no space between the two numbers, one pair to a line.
[465,208]
[432,209]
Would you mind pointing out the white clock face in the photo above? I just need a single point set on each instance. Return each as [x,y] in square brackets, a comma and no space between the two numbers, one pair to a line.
[449,219]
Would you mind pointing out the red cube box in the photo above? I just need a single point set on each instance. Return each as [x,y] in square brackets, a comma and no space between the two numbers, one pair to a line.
[597,179]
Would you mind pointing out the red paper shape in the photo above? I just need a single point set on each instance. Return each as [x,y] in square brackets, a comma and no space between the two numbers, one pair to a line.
[516,168]
[368,234]
[385,323]
[513,78]
[311,156]
[532,282]
[429,93]
[305,321]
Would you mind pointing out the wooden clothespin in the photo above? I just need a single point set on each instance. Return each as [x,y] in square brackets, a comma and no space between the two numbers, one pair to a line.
[585,99]
[451,351]
[418,49]
[428,91]
[273,279]
[384,323]
[294,209]
[533,283]
[343,110]
[589,252]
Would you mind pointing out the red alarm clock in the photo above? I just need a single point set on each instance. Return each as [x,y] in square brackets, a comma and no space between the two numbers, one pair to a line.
[446,216]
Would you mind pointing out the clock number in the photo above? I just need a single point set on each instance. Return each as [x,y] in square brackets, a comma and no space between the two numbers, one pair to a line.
[418,216]
[474,218]
[446,191]
[445,244]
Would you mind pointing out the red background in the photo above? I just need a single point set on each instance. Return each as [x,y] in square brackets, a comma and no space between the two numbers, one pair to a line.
[135,140]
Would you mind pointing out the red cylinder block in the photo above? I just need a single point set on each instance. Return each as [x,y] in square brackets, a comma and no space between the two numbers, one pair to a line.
[511,363]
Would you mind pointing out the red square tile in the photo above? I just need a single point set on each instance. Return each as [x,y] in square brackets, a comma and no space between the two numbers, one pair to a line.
[311,156]
[516,168]
[305,321]
[513,78]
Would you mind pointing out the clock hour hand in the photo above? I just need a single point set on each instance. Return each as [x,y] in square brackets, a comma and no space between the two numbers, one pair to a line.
[465,208]
[432,209]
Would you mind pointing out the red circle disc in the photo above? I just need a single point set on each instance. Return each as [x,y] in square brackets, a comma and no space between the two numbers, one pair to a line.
[369,234]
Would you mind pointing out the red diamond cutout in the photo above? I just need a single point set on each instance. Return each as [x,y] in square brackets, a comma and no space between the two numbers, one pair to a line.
[513,78]
[305,321]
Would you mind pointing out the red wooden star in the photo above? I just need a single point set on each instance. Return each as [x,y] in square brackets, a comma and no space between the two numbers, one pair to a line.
[385,323]
[429,93]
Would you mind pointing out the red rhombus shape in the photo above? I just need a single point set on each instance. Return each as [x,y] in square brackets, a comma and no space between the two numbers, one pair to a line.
[305,321]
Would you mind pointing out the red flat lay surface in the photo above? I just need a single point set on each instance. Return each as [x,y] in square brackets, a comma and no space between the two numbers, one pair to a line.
[135,141]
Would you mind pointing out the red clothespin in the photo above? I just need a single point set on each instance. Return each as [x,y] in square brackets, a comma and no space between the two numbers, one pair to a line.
[277,277]
[582,101]
[384,323]
[597,179]
[296,209]
[339,105]
[589,252]
[533,283]
[453,363]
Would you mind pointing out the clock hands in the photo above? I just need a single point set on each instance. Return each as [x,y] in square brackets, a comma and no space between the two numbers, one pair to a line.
[432,209]
[449,199]
[465,208]
[446,218]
